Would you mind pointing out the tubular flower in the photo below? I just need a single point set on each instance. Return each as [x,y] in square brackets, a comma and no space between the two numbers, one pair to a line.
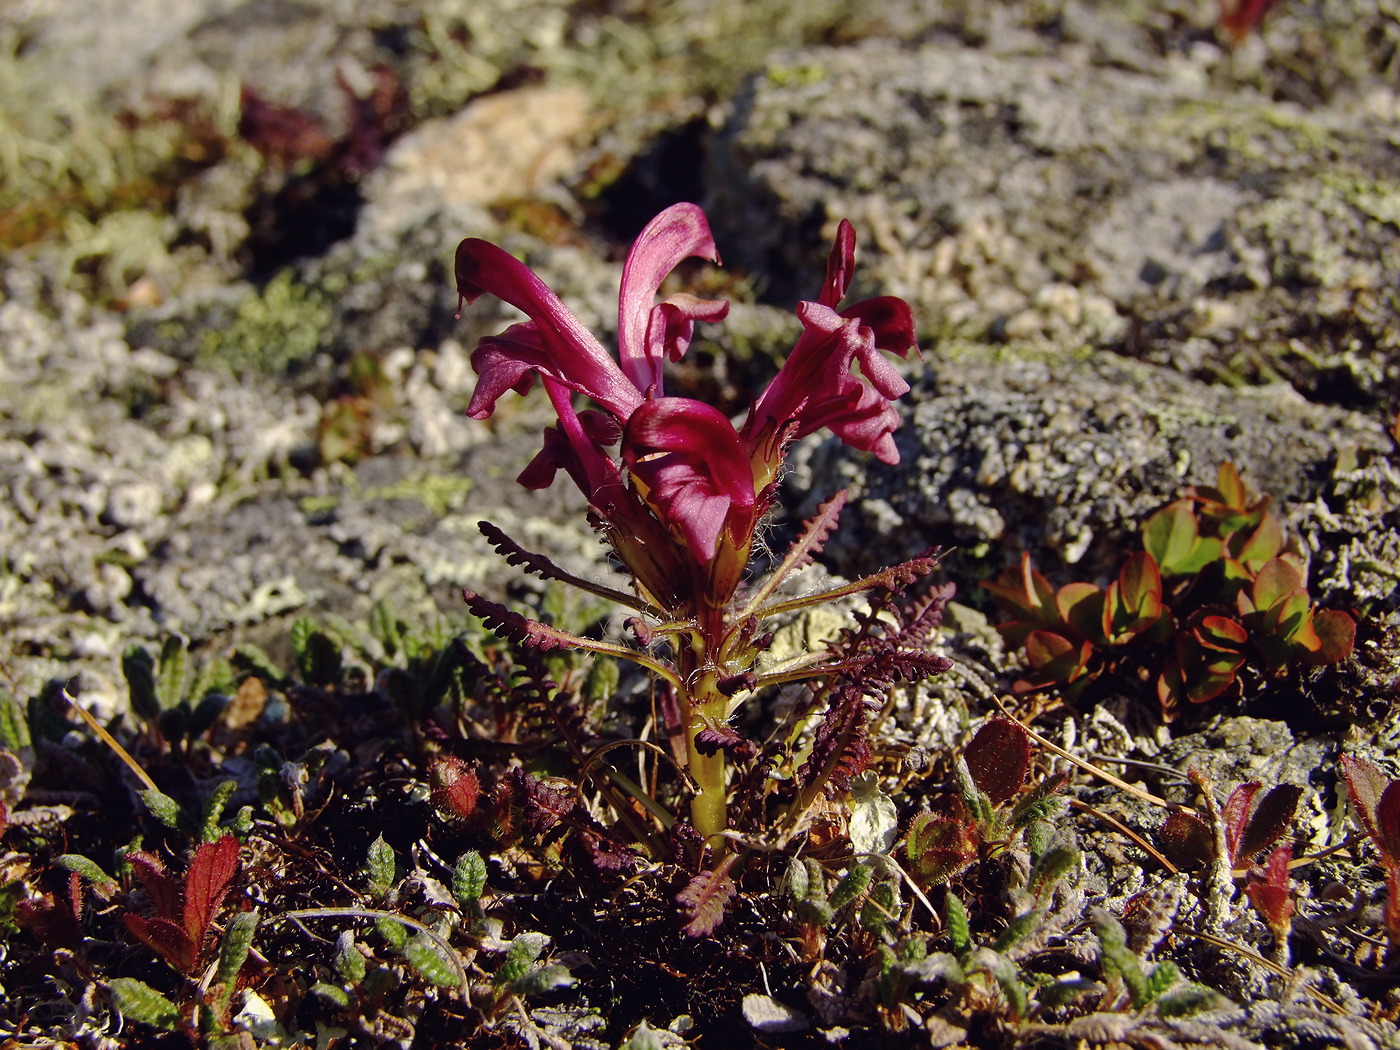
[682,463]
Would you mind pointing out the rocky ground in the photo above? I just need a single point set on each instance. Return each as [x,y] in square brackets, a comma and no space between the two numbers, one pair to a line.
[232,384]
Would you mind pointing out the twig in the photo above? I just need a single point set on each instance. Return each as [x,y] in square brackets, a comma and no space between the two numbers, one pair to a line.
[108,739]
[1119,826]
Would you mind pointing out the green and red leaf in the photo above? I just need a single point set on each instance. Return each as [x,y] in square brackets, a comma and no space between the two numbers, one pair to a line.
[212,870]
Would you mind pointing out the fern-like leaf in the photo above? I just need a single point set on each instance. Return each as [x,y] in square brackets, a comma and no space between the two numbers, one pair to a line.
[705,898]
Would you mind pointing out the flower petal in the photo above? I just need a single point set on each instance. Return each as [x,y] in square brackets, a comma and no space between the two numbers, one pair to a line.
[840,265]
[693,470]
[815,388]
[679,232]
[560,347]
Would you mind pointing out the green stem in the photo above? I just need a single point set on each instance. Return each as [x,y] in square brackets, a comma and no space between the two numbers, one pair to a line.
[704,705]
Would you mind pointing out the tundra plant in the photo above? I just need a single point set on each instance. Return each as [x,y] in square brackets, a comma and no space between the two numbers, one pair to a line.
[674,487]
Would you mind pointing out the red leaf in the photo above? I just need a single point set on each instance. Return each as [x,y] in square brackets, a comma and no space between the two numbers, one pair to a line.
[1187,840]
[156,881]
[166,939]
[1388,824]
[456,788]
[704,899]
[1269,891]
[211,871]
[998,757]
[1236,812]
[1366,784]
[1269,821]
[1336,633]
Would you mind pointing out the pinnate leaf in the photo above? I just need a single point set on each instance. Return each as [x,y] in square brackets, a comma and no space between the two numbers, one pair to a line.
[1367,785]
[704,899]
[139,1001]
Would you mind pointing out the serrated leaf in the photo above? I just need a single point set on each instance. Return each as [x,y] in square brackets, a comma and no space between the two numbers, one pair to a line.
[959,932]
[469,879]
[233,951]
[1162,978]
[381,867]
[395,933]
[166,938]
[854,885]
[140,1002]
[254,661]
[214,809]
[164,808]
[103,883]
[998,756]
[1235,813]
[349,962]
[524,949]
[425,956]
[1388,823]
[211,872]
[173,678]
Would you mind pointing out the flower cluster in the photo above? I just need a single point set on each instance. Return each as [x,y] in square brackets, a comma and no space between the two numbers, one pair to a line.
[681,500]
[675,487]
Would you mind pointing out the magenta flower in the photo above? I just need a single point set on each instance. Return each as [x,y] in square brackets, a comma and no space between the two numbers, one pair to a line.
[682,462]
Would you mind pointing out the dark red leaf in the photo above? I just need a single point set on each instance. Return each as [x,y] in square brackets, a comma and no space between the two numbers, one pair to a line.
[723,738]
[1186,839]
[998,757]
[156,881]
[704,899]
[212,870]
[1388,824]
[1269,821]
[1336,634]
[166,939]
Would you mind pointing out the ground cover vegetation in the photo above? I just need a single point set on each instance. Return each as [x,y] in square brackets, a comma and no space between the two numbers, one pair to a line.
[696,768]
[428,836]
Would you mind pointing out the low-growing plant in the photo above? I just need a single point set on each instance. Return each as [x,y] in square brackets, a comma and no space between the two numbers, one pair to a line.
[1212,596]
[1375,802]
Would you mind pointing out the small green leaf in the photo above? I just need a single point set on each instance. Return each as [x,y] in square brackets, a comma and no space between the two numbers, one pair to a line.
[426,956]
[139,668]
[395,933]
[252,660]
[381,868]
[140,1002]
[214,810]
[796,882]
[469,879]
[206,713]
[164,808]
[543,979]
[881,908]
[524,949]
[1117,959]
[332,994]
[233,951]
[1188,999]
[14,725]
[1169,536]
[854,885]
[103,883]
[1052,866]
[1163,977]
[1017,930]
[349,962]
[174,671]
[384,625]
[959,932]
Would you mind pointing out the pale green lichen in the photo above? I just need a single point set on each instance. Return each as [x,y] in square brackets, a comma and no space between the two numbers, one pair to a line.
[282,325]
